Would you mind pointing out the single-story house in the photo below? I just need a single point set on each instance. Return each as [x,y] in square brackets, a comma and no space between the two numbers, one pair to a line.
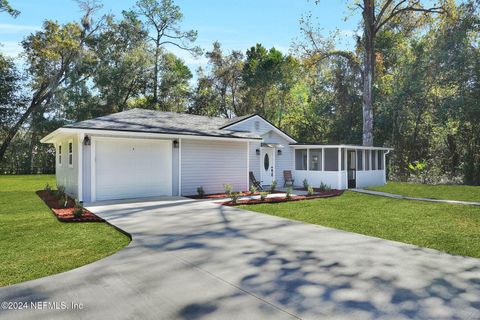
[143,153]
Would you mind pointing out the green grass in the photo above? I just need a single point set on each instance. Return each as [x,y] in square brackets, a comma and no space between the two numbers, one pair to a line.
[33,243]
[447,192]
[450,228]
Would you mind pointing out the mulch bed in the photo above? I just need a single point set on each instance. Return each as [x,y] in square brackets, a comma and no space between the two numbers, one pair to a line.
[66,214]
[224,195]
[328,194]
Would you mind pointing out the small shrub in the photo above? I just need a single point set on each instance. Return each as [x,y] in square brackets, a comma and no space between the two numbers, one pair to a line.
[228,189]
[263,195]
[305,184]
[77,210]
[235,196]
[48,189]
[273,186]
[60,193]
[310,191]
[288,194]
[324,187]
[200,191]
[253,189]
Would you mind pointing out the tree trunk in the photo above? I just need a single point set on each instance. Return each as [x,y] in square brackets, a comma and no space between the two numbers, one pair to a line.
[155,72]
[369,68]
[13,130]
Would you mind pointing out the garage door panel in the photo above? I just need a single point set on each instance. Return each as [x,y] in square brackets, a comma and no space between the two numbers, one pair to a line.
[128,168]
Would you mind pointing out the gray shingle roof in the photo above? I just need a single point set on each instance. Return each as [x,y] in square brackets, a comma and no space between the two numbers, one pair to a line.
[141,120]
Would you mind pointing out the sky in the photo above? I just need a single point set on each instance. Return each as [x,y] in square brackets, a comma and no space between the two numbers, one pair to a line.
[236,24]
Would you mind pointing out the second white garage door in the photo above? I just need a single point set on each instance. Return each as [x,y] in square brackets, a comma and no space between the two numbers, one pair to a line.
[132,168]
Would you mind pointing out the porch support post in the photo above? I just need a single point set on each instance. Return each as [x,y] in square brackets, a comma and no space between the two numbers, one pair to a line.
[81,136]
[323,159]
[179,167]
[339,168]
[345,163]
[248,165]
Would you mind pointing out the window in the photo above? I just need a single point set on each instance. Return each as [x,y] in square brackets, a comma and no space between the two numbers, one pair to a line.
[360,160]
[301,159]
[343,159]
[266,162]
[380,160]
[367,159]
[59,154]
[331,159]
[70,153]
[316,159]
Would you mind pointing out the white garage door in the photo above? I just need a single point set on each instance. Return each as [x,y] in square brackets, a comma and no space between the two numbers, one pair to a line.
[132,168]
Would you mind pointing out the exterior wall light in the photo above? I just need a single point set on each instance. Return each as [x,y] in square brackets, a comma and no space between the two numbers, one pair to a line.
[257,151]
[86,141]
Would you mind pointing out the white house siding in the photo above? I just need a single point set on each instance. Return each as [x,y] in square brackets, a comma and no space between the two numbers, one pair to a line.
[211,164]
[315,178]
[370,178]
[264,129]
[67,176]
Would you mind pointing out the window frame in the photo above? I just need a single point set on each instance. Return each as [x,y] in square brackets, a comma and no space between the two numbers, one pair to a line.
[70,153]
[304,156]
[315,152]
[59,154]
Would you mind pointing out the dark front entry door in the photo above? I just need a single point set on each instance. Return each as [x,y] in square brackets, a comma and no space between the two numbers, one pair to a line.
[351,169]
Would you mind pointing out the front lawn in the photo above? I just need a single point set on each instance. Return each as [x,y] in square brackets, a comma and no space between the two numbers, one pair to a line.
[447,192]
[451,228]
[34,244]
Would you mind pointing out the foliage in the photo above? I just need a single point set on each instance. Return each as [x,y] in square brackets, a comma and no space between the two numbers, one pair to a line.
[263,195]
[450,228]
[310,191]
[324,187]
[253,189]
[273,186]
[48,188]
[59,246]
[6,7]
[288,193]
[305,184]
[228,189]
[234,197]
[200,192]
[77,209]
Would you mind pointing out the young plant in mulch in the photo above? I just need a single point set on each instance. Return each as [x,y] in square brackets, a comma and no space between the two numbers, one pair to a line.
[201,192]
[263,195]
[310,191]
[288,194]
[228,189]
[234,196]
[324,187]
[77,210]
[253,189]
[305,184]
[48,189]
[273,186]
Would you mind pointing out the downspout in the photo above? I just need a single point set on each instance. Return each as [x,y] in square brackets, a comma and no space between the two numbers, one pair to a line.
[385,166]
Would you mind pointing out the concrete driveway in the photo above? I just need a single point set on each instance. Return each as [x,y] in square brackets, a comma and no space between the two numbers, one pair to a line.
[192,260]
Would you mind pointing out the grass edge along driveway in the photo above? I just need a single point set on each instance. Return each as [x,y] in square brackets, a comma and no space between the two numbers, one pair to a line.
[34,244]
[445,192]
[450,228]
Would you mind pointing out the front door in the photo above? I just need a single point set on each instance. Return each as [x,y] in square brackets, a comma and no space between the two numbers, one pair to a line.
[267,166]
[351,169]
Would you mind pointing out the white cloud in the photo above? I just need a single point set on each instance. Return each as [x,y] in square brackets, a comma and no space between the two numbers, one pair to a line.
[9,28]
[10,48]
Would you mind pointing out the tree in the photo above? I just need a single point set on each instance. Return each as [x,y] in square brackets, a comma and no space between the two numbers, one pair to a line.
[121,51]
[53,55]
[374,19]
[174,89]
[6,7]
[164,18]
